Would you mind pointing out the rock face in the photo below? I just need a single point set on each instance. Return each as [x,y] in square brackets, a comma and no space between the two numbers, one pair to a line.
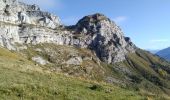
[27,24]
[22,23]
[106,38]
[40,60]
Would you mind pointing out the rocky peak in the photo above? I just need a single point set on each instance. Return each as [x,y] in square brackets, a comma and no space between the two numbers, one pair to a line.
[92,19]
[91,23]
[107,39]
[27,24]
[9,1]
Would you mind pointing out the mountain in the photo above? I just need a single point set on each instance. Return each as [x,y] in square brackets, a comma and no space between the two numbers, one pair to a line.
[165,53]
[92,58]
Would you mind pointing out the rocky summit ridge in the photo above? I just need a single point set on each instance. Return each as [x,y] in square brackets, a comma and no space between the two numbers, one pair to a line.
[22,24]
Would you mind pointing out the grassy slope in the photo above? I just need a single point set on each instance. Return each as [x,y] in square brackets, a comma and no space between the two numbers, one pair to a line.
[21,79]
[149,74]
[57,54]
[145,79]
[152,71]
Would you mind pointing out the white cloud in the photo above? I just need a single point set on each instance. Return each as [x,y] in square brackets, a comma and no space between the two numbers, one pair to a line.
[120,19]
[159,40]
[46,4]
[157,44]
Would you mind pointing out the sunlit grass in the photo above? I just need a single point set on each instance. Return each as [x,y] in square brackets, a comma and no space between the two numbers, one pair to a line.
[21,79]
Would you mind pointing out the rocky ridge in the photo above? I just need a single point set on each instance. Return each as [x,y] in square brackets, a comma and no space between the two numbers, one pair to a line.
[22,24]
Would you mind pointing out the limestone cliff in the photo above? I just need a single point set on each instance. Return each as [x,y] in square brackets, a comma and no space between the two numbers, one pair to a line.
[22,24]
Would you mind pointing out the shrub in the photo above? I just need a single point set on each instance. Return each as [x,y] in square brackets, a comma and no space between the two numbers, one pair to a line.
[135,79]
[162,72]
[96,87]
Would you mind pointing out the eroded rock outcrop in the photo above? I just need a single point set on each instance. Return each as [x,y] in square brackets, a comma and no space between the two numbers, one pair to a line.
[27,24]
[18,19]
[105,38]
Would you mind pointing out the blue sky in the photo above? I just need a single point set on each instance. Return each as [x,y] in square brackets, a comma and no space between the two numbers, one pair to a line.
[146,22]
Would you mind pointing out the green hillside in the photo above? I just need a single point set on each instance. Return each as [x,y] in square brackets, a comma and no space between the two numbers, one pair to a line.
[21,79]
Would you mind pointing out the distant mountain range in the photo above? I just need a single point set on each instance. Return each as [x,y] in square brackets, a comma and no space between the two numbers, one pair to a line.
[165,53]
